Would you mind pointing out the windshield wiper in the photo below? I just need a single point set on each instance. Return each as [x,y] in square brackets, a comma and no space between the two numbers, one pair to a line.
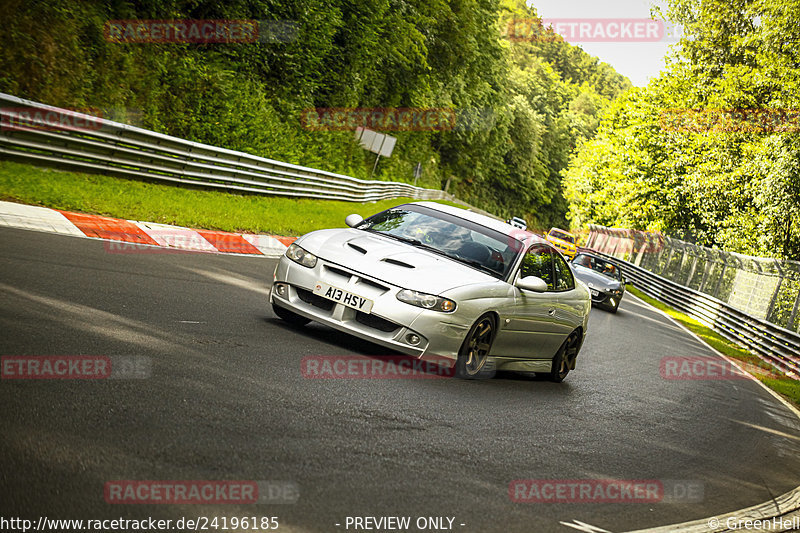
[413,242]
[480,266]
[408,240]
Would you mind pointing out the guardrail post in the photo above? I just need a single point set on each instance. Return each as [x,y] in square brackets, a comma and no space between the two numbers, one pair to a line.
[665,268]
[642,245]
[606,240]
[794,312]
[706,268]
[616,244]
[771,305]
[691,270]
[719,281]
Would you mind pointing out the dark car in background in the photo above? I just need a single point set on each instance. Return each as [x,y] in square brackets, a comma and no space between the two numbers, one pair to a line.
[604,279]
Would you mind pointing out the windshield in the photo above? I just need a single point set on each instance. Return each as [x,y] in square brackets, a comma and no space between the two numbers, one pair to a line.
[598,265]
[563,236]
[469,243]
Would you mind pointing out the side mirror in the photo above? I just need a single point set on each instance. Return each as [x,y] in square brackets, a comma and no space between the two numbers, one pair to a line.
[532,283]
[353,220]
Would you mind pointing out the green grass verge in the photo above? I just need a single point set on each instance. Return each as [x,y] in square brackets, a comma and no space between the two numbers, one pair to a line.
[156,202]
[787,387]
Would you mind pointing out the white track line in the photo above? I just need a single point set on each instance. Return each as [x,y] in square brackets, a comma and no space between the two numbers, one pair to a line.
[269,246]
[176,237]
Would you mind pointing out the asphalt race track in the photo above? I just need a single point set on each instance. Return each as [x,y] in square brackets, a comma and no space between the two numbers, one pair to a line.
[225,400]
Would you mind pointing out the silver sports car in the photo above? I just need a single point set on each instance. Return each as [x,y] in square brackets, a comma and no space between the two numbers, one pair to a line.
[603,278]
[430,280]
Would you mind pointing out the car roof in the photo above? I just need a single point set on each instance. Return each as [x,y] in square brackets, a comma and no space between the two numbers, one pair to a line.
[561,230]
[483,220]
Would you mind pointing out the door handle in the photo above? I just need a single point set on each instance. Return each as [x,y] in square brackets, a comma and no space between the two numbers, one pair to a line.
[552,311]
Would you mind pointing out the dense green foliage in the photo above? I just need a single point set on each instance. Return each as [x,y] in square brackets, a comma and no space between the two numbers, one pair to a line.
[712,175]
[533,100]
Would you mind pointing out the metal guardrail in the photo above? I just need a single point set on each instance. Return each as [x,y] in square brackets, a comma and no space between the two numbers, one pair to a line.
[37,133]
[773,344]
[761,287]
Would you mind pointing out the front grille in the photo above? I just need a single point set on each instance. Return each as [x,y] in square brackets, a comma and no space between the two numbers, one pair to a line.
[312,299]
[375,322]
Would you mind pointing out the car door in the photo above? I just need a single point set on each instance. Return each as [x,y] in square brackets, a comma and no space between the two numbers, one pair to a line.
[529,325]
[571,304]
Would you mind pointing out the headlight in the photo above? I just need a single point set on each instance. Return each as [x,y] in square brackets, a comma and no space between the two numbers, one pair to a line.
[426,301]
[300,256]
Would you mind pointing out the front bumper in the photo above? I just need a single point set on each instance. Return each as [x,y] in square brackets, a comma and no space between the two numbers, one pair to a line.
[606,299]
[391,323]
[567,251]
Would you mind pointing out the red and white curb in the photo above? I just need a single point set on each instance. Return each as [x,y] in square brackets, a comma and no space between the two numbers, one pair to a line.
[138,235]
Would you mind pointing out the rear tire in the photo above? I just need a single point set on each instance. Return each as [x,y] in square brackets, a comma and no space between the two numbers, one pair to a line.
[475,350]
[564,361]
[289,316]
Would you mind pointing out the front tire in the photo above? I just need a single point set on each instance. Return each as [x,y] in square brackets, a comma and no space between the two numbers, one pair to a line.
[290,317]
[474,352]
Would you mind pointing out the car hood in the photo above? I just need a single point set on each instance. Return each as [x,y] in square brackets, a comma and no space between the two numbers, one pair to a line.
[392,261]
[562,242]
[596,279]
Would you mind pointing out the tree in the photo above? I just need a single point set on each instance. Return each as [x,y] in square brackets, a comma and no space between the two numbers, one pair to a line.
[708,151]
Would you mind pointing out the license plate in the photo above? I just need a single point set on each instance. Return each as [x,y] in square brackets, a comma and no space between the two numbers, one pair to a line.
[594,292]
[343,297]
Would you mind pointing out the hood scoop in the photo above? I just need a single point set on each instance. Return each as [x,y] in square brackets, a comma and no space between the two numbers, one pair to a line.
[397,263]
[357,248]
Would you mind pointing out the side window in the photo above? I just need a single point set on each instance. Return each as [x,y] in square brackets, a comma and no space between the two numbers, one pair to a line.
[564,279]
[538,262]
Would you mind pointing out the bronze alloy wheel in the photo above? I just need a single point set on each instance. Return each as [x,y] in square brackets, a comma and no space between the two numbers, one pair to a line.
[564,361]
[475,350]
